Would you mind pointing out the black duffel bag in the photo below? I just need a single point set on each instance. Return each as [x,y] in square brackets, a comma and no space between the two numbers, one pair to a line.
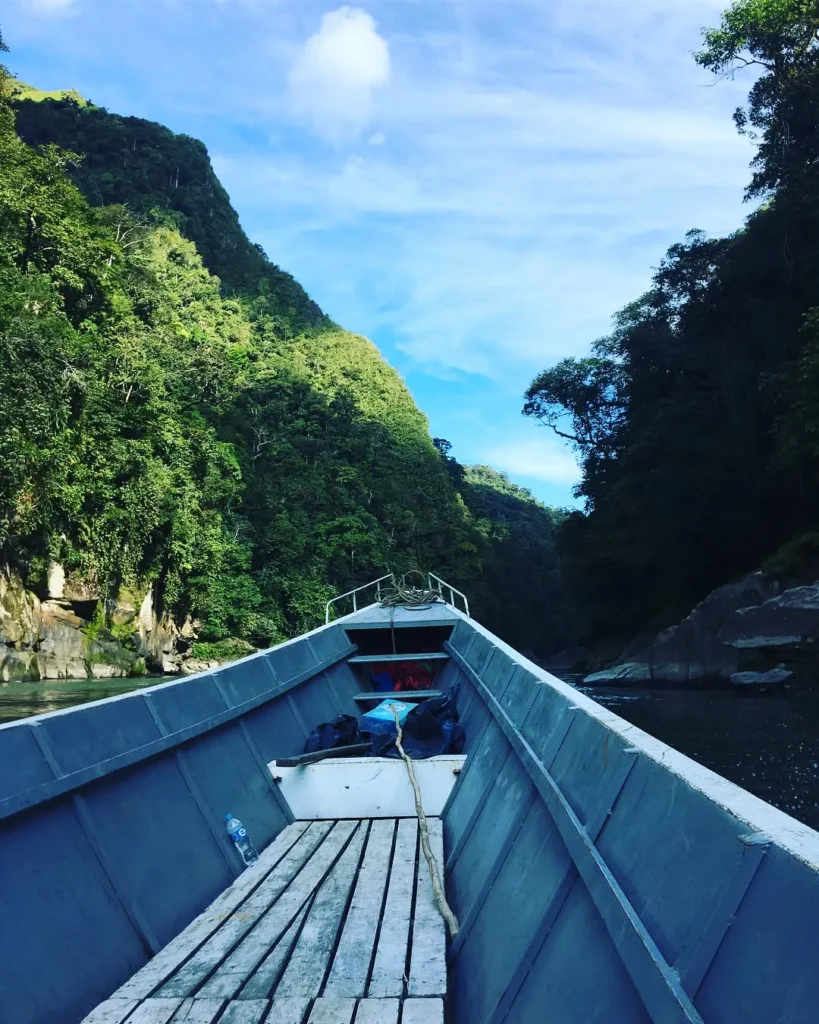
[341,732]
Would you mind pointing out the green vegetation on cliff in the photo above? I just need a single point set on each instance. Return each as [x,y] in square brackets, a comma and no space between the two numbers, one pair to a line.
[521,590]
[176,411]
[697,419]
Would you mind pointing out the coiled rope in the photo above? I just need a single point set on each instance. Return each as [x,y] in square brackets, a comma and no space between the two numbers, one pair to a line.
[446,912]
[405,594]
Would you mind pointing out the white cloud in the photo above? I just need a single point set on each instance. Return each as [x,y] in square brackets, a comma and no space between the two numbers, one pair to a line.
[335,76]
[539,458]
[541,158]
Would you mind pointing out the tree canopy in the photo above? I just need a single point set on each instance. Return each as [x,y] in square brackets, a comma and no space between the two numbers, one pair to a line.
[696,419]
[175,410]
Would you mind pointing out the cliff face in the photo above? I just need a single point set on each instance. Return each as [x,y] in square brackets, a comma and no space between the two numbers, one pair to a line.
[756,631]
[215,437]
[179,419]
[73,633]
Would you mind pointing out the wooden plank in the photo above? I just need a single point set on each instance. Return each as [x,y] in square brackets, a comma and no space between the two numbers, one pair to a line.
[245,1011]
[266,976]
[192,974]
[332,1011]
[428,960]
[257,944]
[147,980]
[391,955]
[112,1011]
[377,1011]
[198,1011]
[406,696]
[155,1011]
[287,1011]
[351,963]
[423,1011]
[305,971]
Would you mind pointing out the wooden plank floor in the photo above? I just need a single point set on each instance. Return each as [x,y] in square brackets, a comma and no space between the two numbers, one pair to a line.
[335,924]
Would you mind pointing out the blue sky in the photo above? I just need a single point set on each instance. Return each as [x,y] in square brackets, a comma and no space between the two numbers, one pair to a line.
[477,185]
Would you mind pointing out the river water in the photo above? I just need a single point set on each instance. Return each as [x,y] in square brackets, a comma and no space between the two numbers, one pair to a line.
[22,700]
[768,745]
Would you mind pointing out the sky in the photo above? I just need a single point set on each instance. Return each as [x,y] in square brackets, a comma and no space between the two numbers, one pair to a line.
[476,185]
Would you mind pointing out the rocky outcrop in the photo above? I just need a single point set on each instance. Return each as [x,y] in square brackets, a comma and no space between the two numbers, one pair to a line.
[776,677]
[75,634]
[195,665]
[788,619]
[739,630]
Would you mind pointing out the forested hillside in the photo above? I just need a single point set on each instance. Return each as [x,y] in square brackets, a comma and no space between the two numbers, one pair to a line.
[697,418]
[176,413]
[521,590]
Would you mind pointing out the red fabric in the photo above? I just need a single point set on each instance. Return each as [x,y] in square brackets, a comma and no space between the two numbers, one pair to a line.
[408,675]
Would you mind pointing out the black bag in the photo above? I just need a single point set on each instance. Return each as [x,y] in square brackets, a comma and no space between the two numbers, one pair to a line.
[431,728]
[341,732]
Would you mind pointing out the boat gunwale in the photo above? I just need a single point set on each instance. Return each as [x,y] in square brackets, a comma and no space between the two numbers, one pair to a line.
[63,784]
[256,656]
[763,818]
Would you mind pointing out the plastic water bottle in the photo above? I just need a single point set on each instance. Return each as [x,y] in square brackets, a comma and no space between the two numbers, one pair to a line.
[238,833]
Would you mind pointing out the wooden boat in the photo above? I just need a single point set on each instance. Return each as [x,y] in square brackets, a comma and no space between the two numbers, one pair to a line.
[597,874]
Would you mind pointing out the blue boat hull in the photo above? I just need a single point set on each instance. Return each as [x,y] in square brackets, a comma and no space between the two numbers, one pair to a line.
[598,875]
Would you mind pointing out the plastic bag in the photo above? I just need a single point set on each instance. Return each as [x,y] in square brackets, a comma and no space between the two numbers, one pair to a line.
[431,728]
[381,720]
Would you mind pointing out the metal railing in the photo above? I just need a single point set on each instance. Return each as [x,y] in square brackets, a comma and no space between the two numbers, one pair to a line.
[354,595]
[434,583]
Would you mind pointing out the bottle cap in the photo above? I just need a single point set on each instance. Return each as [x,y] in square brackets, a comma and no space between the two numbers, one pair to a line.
[228,817]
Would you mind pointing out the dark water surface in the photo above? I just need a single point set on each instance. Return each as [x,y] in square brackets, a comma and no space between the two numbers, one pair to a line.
[769,745]
[22,700]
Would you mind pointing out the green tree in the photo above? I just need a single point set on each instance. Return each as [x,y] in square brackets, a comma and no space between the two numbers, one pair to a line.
[778,39]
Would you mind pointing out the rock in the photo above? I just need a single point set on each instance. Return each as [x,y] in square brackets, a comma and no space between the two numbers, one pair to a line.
[11,631]
[193,666]
[18,666]
[63,612]
[776,677]
[783,621]
[100,671]
[67,636]
[693,649]
[19,612]
[171,664]
[190,628]
[56,581]
[123,614]
[61,654]
[146,613]
[630,672]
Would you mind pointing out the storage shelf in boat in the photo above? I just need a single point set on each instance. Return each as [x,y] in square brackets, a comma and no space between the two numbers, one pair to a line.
[405,695]
[374,659]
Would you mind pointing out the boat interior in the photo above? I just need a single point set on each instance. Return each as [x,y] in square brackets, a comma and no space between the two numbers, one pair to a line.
[595,873]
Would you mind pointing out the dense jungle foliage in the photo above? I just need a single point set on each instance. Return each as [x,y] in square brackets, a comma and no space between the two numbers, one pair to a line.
[175,410]
[697,418]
